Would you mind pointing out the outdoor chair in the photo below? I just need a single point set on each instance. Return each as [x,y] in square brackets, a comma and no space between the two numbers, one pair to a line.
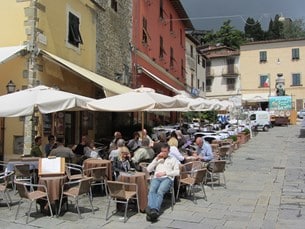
[74,172]
[216,168]
[31,196]
[75,189]
[3,165]
[22,173]
[99,177]
[196,178]
[119,193]
[5,180]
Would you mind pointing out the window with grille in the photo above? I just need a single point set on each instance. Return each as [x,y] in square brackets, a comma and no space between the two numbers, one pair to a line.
[172,58]
[162,51]
[145,34]
[74,36]
[231,84]
[262,56]
[295,54]
[208,85]
[296,79]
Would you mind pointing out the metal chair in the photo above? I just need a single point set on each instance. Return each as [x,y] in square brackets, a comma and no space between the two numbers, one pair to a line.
[122,192]
[5,180]
[217,168]
[99,177]
[31,196]
[75,189]
[197,177]
[74,172]
[22,173]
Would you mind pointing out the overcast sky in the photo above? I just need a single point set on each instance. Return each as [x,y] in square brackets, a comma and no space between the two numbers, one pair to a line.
[210,14]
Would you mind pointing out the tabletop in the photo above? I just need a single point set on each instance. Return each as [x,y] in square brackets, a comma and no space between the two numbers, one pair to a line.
[93,163]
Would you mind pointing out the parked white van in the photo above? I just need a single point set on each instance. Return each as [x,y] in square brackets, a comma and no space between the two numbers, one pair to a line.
[260,120]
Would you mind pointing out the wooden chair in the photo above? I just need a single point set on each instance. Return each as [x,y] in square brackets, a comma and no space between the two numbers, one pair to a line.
[5,180]
[31,196]
[119,192]
[197,177]
[217,168]
[75,189]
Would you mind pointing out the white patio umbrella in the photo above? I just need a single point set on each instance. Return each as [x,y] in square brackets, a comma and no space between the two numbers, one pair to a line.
[45,99]
[141,99]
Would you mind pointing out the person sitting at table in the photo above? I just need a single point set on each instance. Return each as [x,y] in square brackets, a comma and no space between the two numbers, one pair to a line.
[62,151]
[134,143]
[143,154]
[173,139]
[113,144]
[204,150]
[165,168]
[36,151]
[161,140]
[122,163]
[115,152]
[51,145]
[90,151]
[174,151]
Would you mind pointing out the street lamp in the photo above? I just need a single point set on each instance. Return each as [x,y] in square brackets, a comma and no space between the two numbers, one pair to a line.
[10,87]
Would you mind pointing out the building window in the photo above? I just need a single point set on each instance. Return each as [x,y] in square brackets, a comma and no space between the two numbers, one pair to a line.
[203,62]
[295,54]
[161,9]
[264,81]
[230,84]
[74,36]
[208,85]
[262,56]
[145,34]
[182,68]
[162,51]
[114,5]
[192,80]
[181,43]
[198,59]
[296,79]
[192,51]
[171,23]
[172,58]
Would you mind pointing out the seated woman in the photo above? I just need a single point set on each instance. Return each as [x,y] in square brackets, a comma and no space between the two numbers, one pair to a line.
[90,151]
[122,163]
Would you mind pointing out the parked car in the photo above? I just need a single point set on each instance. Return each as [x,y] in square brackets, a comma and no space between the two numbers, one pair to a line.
[301,113]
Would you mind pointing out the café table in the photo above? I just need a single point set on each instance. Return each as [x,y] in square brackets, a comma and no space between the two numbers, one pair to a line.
[93,163]
[33,162]
[54,185]
[138,178]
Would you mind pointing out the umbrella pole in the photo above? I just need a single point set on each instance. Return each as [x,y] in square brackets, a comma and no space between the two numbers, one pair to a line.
[142,119]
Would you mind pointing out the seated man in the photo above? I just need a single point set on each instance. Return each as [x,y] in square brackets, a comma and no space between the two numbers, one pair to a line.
[62,151]
[204,150]
[165,168]
[143,154]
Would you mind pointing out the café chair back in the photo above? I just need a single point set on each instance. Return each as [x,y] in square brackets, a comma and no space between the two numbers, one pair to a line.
[196,178]
[22,173]
[121,192]
[5,181]
[216,168]
[75,189]
[99,177]
[73,171]
[31,196]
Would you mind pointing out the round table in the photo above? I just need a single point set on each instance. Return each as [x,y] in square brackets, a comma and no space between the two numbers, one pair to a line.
[138,178]
[93,163]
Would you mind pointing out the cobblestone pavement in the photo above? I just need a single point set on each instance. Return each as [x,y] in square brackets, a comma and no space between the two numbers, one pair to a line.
[265,189]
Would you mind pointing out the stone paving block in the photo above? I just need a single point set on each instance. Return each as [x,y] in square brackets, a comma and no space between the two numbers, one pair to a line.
[183,224]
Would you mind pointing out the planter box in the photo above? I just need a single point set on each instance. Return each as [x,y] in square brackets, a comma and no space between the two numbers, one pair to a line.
[243,138]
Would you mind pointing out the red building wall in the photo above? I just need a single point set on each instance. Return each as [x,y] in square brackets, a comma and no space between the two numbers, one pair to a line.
[147,54]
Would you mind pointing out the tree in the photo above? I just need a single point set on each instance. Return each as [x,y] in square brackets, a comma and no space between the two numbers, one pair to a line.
[253,30]
[293,29]
[275,30]
[226,35]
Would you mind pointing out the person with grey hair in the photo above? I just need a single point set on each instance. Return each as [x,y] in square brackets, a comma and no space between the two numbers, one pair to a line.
[143,154]
[115,152]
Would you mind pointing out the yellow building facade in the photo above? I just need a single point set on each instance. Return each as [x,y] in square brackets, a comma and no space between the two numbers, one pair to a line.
[267,66]
[60,51]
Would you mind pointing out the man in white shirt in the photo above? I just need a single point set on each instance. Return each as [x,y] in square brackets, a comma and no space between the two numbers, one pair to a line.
[165,168]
